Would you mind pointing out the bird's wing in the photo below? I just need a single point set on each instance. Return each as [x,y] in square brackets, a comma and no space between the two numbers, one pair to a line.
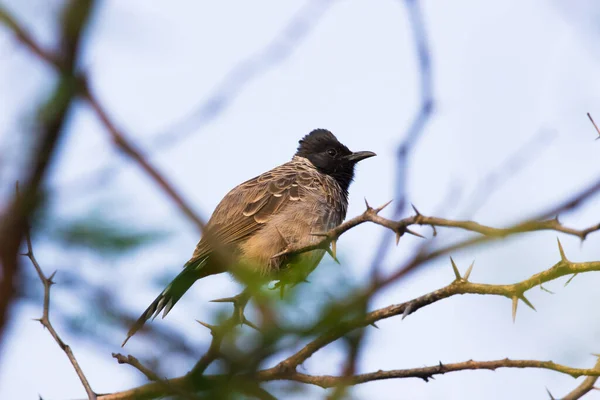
[248,206]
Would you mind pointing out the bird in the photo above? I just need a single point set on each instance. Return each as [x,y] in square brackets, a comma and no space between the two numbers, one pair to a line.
[262,217]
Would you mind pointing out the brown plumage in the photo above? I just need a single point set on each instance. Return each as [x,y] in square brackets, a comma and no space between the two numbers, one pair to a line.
[262,216]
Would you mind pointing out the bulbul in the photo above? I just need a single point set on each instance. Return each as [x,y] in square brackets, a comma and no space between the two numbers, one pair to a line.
[262,217]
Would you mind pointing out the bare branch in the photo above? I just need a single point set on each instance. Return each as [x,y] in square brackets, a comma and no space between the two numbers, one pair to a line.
[426,373]
[166,385]
[45,319]
[586,386]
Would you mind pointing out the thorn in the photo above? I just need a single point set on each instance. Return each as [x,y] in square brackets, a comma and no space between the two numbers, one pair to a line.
[398,236]
[563,257]
[515,303]
[550,394]
[434,230]
[334,249]
[374,325]
[378,209]
[595,355]
[571,278]
[332,252]
[468,273]
[407,310]
[455,269]
[51,277]
[526,301]
[546,290]
[556,219]
[414,233]
[225,300]
[415,209]
[212,328]
[367,204]
[250,324]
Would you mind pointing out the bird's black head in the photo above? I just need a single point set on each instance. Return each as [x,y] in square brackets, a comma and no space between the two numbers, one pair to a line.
[331,157]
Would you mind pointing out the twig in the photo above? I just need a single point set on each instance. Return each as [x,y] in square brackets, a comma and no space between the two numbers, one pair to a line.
[586,386]
[426,373]
[152,376]
[27,40]
[595,126]
[45,319]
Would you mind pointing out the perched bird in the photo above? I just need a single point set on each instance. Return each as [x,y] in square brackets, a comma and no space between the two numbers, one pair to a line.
[262,217]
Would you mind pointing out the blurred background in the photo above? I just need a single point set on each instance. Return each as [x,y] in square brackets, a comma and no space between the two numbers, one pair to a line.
[491,96]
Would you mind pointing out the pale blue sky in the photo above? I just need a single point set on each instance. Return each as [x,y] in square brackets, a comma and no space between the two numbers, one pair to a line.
[503,73]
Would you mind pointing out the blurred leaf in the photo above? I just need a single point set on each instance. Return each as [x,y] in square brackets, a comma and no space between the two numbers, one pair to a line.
[106,237]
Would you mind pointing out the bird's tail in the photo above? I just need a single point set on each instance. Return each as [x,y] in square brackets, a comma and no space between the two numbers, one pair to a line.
[172,293]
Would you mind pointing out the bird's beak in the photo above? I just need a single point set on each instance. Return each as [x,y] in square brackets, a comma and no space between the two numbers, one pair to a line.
[359,155]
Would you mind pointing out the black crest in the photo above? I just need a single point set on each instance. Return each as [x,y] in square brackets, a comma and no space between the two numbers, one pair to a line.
[330,156]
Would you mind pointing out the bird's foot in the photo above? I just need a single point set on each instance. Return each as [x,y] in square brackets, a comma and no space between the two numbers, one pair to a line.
[239,305]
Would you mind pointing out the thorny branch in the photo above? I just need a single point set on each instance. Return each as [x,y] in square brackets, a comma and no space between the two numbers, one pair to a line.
[45,319]
[400,227]
[461,285]
[152,390]
[286,370]
[586,386]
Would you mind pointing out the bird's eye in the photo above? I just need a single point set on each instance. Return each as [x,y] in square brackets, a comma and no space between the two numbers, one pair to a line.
[332,152]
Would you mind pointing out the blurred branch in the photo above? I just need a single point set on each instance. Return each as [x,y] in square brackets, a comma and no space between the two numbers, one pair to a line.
[525,155]
[81,84]
[227,90]
[52,116]
[417,127]
[45,319]
[126,145]
[586,386]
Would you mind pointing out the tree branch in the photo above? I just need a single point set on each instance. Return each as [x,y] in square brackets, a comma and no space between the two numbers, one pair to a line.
[586,386]
[426,373]
[45,319]
[460,285]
